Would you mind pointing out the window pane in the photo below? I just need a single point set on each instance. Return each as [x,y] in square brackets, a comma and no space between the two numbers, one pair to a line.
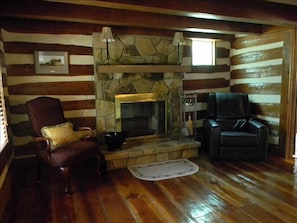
[3,123]
[202,52]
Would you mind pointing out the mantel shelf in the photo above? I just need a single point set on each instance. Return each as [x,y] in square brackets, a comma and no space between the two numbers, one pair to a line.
[142,68]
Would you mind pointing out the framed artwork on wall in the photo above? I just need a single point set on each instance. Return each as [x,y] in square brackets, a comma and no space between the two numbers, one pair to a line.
[51,62]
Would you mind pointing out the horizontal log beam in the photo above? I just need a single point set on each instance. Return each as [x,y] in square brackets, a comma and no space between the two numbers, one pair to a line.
[272,110]
[261,88]
[253,11]
[118,17]
[53,88]
[257,72]
[66,105]
[256,56]
[210,68]
[63,27]
[191,85]
[23,47]
[29,69]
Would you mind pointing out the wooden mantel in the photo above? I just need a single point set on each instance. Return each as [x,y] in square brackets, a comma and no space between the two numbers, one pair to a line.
[142,68]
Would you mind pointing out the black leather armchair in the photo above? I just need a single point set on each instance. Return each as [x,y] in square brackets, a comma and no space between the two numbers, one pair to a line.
[230,132]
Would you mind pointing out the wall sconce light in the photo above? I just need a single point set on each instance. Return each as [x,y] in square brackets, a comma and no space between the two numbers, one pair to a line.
[106,36]
[178,40]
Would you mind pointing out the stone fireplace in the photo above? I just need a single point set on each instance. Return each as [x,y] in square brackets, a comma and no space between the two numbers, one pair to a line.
[156,90]
[144,100]
[141,67]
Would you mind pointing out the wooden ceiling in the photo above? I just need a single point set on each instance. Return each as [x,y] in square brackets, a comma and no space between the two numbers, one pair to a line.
[196,18]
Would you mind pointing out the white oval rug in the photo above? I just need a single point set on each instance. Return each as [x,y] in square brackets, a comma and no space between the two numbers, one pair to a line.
[164,170]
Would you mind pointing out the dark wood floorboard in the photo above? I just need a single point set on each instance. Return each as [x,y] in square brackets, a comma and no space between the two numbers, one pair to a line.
[218,192]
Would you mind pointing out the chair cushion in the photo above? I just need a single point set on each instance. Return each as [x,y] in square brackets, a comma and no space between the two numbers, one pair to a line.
[60,134]
[232,124]
[235,138]
[74,152]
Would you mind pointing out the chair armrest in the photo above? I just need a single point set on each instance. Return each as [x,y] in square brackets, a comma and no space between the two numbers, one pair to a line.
[211,123]
[261,130]
[84,132]
[43,139]
[255,126]
[212,131]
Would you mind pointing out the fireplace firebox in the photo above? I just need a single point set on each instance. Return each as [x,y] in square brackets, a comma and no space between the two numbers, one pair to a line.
[141,114]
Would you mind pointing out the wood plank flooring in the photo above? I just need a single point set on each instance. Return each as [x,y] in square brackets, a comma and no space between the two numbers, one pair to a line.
[218,192]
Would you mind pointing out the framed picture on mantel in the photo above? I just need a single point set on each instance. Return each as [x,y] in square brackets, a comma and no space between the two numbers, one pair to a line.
[51,62]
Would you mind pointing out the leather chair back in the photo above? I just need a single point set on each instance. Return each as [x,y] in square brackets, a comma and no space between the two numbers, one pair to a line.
[230,110]
[44,111]
[228,106]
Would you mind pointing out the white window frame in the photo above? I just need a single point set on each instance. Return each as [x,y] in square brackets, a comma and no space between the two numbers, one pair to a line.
[3,118]
[203,52]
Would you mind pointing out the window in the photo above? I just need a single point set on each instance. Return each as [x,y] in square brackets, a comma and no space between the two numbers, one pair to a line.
[203,52]
[3,122]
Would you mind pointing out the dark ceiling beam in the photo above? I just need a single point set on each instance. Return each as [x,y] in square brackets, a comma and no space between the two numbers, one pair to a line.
[117,17]
[60,27]
[253,11]
[288,2]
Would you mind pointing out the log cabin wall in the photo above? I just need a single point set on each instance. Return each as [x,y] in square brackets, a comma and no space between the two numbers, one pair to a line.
[205,79]
[260,66]
[75,90]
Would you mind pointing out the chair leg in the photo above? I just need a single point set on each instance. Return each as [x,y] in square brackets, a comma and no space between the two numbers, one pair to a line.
[98,171]
[65,171]
[38,169]
[101,167]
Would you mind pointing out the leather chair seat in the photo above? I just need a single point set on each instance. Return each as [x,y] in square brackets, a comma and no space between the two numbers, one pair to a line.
[242,139]
[73,153]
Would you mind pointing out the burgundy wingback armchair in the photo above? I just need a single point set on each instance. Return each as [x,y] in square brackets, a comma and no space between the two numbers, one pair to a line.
[230,132]
[46,117]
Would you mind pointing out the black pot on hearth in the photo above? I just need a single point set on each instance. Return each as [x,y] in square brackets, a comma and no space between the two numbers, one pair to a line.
[115,140]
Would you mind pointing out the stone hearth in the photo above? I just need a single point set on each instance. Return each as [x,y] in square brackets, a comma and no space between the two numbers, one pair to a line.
[148,151]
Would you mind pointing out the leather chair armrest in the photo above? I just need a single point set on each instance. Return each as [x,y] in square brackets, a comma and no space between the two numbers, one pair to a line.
[212,136]
[86,132]
[255,126]
[211,123]
[43,139]
[262,132]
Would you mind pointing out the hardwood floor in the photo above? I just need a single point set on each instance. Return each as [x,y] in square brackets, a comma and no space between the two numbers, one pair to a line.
[219,192]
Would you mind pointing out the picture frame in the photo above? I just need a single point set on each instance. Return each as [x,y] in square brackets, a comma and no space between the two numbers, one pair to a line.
[51,62]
